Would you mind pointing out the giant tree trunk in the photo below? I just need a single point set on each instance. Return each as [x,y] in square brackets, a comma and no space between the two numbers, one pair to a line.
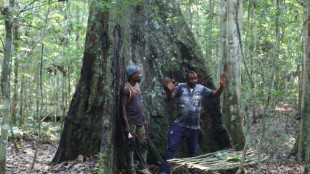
[83,126]
[135,35]
[230,53]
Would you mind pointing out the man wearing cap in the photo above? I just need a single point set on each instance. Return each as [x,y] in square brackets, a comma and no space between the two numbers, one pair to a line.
[134,121]
[186,124]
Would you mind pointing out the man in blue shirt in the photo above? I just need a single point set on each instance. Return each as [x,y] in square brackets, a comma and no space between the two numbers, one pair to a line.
[186,124]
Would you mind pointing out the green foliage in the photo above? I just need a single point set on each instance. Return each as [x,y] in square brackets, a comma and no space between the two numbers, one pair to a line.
[154,7]
[63,47]
[245,171]
[171,20]
[228,157]
[106,6]
[259,33]
[234,159]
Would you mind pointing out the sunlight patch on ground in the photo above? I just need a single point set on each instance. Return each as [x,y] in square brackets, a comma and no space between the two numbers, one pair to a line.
[285,108]
[290,142]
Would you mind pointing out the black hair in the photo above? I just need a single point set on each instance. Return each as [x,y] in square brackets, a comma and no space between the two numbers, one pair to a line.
[188,72]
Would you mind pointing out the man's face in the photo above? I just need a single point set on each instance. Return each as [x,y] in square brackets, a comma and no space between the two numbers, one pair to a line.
[137,76]
[192,80]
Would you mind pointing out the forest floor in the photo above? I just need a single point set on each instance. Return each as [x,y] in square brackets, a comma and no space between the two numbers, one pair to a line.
[282,128]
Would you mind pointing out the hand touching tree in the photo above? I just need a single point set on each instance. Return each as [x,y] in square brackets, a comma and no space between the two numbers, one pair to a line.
[169,84]
[223,79]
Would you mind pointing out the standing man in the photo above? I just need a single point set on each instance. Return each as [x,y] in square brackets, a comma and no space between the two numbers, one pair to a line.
[134,120]
[186,124]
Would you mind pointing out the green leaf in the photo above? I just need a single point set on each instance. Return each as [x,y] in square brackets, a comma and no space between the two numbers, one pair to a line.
[154,7]
[234,159]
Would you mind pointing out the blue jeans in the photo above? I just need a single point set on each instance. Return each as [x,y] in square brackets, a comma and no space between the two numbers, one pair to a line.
[175,137]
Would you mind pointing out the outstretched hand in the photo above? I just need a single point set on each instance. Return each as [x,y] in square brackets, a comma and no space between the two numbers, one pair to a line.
[223,79]
[169,84]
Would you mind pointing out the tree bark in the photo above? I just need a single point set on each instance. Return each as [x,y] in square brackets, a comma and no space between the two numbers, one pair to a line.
[277,45]
[300,144]
[135,34]
[209,48]
[16,66]
[20,119]
[5,85]
[230,55]
[82,127]
[306,95]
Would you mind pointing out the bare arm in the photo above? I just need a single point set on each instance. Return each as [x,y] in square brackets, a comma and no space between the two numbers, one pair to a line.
[124,102]
[145,122]
[223,83]
[170,86]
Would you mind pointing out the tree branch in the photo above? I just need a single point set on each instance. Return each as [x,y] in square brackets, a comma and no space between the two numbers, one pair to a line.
[2,42]
[240,43]
[24,9]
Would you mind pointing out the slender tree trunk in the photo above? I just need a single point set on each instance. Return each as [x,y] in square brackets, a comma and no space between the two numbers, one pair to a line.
[262,135]
[77,36]
[65,49]
[209,49]
[69,85]
[63,97]
[306,95]
[28,99]
[5,85]
[254,54]
[306,168]
[303,129]
[254,30]
[272,83]
[277,44]
[249,97]
[56,92]
[231,56]
[222,40]
[16,65]
[247,33]
[37,98]
[39,114]
[248,121]
[21,108]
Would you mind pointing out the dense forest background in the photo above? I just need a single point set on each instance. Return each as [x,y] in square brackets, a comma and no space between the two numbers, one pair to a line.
[47,50]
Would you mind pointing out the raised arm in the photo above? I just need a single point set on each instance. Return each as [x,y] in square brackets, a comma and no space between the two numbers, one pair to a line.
[222,83]
[170,86]
[124,102]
